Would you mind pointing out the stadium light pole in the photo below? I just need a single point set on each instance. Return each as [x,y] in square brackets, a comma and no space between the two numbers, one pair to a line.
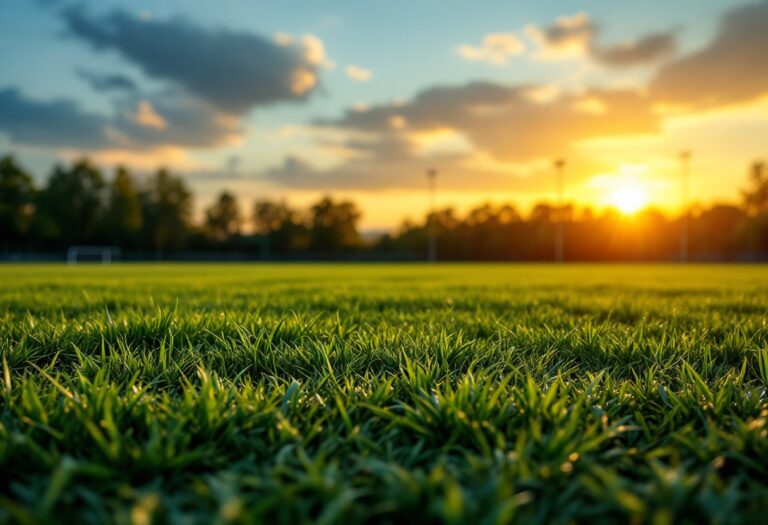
[559,235]
[431,234]
[685,157]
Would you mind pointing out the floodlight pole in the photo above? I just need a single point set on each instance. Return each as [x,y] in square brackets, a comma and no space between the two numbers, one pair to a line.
[685,157]
[559,234]
[431,234]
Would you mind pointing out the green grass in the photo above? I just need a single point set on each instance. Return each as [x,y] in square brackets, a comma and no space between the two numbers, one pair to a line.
[344,394]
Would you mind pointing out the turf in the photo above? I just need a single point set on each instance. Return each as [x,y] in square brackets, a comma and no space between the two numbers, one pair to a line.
[383,393]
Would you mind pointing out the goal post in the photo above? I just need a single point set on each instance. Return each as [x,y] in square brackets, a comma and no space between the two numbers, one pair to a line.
[102,254]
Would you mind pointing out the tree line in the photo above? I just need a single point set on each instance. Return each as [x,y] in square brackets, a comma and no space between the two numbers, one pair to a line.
[153,217]
[78,205]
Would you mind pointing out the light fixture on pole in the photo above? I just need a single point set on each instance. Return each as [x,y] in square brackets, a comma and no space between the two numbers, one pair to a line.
[559,234]
[431,233]
[685,157]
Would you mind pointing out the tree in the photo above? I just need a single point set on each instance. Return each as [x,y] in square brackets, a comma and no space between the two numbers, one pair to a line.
[756,205]
[334,225]
[123,216]
[715,232]
[167,210]
[543,214]
[756,196]
[73,204]
[280,227]
[17,201]
[222,218]
[269,216]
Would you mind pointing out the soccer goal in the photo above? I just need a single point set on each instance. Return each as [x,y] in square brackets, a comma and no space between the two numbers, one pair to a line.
[102,254]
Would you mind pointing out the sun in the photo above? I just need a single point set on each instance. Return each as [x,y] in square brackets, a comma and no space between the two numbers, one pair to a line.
[629,196]
[626,190]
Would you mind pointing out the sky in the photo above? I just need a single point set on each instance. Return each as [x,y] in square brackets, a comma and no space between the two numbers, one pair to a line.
[297,99]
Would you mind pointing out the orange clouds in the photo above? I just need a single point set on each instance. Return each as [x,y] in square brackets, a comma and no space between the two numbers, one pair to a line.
[146,116]
[505,122]
[148,160]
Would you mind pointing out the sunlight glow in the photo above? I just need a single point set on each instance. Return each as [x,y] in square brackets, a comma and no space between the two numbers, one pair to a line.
[629,197]
[627,190]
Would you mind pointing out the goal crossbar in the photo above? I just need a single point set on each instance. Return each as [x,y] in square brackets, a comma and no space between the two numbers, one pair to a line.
[106,254]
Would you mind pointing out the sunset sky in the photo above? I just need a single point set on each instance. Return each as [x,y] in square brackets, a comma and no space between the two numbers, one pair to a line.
[358,98]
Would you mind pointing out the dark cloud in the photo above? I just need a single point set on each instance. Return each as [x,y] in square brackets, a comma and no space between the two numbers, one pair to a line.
[232,70]
[57,123]
[431,107]
[294,171]
[568,35]
[297,173]
[649,48]
[382,174]
[108,82]
[381,161]
[456,173]
[508,124]
[381,147]
[178,121]
[577,36]
[732,68]
[182,121]
[511,123]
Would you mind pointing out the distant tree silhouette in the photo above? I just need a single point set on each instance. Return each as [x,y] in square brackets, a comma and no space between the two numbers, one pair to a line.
[281,227]
[222,218]
[488,228]
[167,210]
[756,205]
[123,219]
[717,232]
[17,203]
[756,196]
[72,205]
[543,214]
[269,216]
[334,225]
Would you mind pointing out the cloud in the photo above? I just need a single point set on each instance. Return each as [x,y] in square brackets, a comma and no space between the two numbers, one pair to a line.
[108,82]
[172,119]
[576,36]
[56,123]
[144,159]
[496,48]
[649,48]
[511,123]
[162,120]
[567,37]
[385,174]
[293,171]
[313,48]
[731,69]
[481,131]
[234,71]
[460,171]
[211,78]
[146,116]
[359,74]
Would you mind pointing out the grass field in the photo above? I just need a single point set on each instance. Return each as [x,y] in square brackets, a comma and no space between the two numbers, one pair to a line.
[343,394]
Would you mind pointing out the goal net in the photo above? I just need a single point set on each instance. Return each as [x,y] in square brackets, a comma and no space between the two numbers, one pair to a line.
[102,254]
